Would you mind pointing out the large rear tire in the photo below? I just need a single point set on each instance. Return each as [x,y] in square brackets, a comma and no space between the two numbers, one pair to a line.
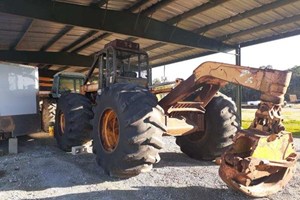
[221,124]
[128,130]
[48,113]
[73,115]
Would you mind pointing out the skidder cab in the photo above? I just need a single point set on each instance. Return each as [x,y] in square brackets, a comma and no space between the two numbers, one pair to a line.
[119,62]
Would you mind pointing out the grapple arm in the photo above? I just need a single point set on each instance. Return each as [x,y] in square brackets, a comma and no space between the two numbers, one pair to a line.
[272,83]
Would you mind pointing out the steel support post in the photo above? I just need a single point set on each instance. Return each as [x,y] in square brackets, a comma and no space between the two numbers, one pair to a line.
[239,87]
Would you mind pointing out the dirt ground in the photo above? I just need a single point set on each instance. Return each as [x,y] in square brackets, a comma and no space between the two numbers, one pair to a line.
[42,171]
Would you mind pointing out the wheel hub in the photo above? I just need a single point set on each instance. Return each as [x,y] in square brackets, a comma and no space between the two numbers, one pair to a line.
[62,123]
[109,130]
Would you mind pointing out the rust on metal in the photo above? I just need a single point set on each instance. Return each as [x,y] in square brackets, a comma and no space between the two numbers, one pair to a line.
[184,118]
[185,106]
[205,82]
[268,118]
[7,124]
[179,93]
[179,126]
[262,158]
[272,83]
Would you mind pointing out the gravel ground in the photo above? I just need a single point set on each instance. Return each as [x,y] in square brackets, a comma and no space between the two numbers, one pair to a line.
[42,171]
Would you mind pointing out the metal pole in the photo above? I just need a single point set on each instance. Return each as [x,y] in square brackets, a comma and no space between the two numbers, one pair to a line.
[238,88]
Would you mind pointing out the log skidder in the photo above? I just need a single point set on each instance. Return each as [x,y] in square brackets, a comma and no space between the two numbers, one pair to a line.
[128,121]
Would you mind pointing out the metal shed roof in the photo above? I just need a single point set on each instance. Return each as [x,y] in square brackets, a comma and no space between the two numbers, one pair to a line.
[64,34]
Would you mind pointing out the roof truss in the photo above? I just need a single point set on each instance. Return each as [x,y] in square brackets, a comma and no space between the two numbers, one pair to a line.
[111,21]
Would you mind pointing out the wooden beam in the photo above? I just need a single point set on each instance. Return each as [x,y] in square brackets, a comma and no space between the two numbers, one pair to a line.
[45,84]
[46,79]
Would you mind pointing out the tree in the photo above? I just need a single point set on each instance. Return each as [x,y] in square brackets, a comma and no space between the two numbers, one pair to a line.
[156,81]
[247,94]
[294,87]
[266,67]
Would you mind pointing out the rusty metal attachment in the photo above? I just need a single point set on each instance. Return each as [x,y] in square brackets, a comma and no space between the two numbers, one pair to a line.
[268,118]
[184,118]
[7,124]
[209,77]
[262,158]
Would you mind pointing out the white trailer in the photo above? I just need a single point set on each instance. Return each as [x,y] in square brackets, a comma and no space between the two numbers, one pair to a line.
[19,110]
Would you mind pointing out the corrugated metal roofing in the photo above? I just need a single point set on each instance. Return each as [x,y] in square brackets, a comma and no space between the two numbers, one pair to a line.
[231,21]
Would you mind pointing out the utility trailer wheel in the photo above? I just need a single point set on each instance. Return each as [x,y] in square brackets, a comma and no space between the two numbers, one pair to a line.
[127,130]
[48,113]
[221,124]
[73,115]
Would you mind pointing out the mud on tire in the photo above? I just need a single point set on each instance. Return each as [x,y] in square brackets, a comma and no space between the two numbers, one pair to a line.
[221,124]
[140,128]
[73,115]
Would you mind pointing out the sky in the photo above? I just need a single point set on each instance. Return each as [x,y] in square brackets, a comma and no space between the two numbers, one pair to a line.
[281,54]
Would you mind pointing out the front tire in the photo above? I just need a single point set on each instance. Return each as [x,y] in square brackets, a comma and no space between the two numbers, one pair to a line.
[73,115]
[128,130]
[221,125]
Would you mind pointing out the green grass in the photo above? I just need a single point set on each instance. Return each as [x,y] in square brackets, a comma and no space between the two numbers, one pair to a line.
[291,118]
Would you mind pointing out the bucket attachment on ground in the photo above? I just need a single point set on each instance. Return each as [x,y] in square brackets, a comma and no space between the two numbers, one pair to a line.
[262,158]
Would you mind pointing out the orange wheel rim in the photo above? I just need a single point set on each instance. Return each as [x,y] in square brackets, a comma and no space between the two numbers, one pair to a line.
[62,122]
[109,130]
